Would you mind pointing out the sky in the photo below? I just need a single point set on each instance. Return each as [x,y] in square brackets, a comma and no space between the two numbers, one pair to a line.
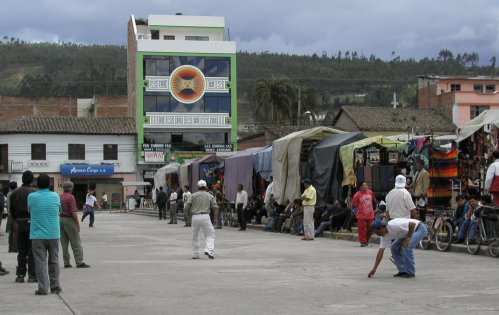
[410,28]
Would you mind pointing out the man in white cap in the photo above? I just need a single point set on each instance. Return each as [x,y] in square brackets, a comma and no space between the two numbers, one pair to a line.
[399,202]
[199,205]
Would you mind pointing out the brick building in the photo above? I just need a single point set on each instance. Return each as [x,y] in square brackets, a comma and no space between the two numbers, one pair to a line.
[12,107]
[459,98]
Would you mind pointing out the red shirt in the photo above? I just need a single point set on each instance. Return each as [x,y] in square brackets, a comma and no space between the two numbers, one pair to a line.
[68,205]
[364,203]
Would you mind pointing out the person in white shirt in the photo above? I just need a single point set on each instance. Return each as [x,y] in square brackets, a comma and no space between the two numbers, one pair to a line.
[399,202]
[492,179]
[90,203]
[241,205]
[407,233]
[269,196]
[104,200]
[173,206]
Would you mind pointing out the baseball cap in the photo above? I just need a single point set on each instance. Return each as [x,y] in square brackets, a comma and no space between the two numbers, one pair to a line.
[307,181]
[202,183]
[377,224]
[400,181]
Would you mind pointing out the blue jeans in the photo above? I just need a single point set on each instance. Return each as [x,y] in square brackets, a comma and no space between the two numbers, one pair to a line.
[464,227]
[322,228]
[404,257]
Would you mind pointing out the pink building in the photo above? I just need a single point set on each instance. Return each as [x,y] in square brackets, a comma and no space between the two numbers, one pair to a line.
[459,98]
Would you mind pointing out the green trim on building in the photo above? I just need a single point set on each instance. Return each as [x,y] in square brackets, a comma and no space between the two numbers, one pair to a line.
[139,93]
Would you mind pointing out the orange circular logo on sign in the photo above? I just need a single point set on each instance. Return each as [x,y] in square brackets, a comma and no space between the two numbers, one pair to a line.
[187,84]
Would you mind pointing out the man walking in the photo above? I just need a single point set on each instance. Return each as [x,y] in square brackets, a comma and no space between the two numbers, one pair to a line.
[241,204]
[407,233]
[104,200]
[20,214]
[173,206]
[44,206]
[161,200]
[70,228]
[420,186]
[199,205]
[185,196]
[308,198]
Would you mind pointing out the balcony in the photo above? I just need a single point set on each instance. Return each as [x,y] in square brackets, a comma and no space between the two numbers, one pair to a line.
[187,120]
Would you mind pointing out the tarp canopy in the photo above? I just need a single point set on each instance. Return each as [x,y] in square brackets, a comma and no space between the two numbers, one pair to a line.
[262,162]
[185,172]
[347,153]
[199,168]
[286,161]
[326,169]
[126,184]
[239,170]
[160,176]
[472,126]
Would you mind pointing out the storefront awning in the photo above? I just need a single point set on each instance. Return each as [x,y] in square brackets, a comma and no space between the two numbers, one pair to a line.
[135,184]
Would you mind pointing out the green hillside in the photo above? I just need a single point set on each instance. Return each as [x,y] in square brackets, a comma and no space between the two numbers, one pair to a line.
[62,69]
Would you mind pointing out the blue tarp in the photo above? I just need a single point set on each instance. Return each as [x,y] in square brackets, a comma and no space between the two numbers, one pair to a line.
[262,162]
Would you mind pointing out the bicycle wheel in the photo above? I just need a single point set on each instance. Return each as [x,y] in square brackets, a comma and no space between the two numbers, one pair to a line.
[494,248]
[425,242]
[443,236]
[473,244]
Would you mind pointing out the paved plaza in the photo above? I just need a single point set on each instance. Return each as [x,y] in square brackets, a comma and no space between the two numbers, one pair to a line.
[143,266]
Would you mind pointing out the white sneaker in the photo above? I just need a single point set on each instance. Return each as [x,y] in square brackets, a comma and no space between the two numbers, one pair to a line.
[209,254]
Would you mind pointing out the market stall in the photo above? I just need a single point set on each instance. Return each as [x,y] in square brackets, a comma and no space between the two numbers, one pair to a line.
[290,160]
[239,170]
[376,160]
[209,168]
[167,176]
[476,139]
[325,164]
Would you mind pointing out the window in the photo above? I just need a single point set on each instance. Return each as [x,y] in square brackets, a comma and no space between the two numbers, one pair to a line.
[76,151]
[478,88]
[156,104]
[38,151]
[490,88]
[154,34]
[477,110]
[157,66]
[4,158]
[455,87]
[169,37]
[177,138]
[203,38]
[216,68]
[110,151]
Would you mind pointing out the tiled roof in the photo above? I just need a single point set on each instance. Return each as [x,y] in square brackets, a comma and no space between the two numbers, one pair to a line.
[396,119]
[283,130]
[70,125]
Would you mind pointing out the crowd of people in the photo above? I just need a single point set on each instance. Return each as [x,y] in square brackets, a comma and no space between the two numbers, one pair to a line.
[38,220]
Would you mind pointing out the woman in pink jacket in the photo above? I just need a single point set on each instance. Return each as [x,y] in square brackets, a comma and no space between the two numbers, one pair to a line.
[364,200]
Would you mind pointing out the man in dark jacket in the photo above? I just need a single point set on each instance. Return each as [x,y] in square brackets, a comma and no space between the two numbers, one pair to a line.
[20,213]
[161,201]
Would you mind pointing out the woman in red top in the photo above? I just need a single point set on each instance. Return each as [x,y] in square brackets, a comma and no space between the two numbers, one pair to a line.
[364,200]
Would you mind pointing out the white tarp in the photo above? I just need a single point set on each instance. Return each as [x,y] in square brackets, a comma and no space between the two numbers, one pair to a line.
[485,118]
[160,176]
[286,161]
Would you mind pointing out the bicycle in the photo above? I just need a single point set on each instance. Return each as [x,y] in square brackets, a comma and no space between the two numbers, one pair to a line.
[440,230]
[484,226]
[229,215]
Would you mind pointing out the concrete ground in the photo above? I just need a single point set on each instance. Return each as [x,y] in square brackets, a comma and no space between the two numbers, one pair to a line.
[143,266]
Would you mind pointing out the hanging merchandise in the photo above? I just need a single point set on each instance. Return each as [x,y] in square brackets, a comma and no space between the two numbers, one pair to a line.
[393,157]
[359,157]
[373,156]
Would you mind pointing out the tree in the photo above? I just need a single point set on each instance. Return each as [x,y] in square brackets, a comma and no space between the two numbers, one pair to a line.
[275,97]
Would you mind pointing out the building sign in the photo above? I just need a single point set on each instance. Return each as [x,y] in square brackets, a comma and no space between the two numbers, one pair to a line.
[149,174]
[182,156]
[218,148]
[154,156]
[156,147]
[87,170]
[16,166]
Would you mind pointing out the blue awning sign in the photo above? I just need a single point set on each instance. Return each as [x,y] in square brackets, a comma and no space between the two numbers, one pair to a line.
[87,170]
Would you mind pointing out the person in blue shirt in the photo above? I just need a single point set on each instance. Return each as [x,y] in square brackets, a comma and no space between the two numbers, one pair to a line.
[44,207]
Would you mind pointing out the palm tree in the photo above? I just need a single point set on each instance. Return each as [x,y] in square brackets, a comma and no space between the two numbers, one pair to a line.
[275,95]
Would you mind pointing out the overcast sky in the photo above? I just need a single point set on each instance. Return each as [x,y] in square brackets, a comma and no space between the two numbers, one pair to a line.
[411,28]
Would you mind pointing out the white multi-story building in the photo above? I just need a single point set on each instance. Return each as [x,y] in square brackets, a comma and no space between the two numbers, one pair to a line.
[85,151]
